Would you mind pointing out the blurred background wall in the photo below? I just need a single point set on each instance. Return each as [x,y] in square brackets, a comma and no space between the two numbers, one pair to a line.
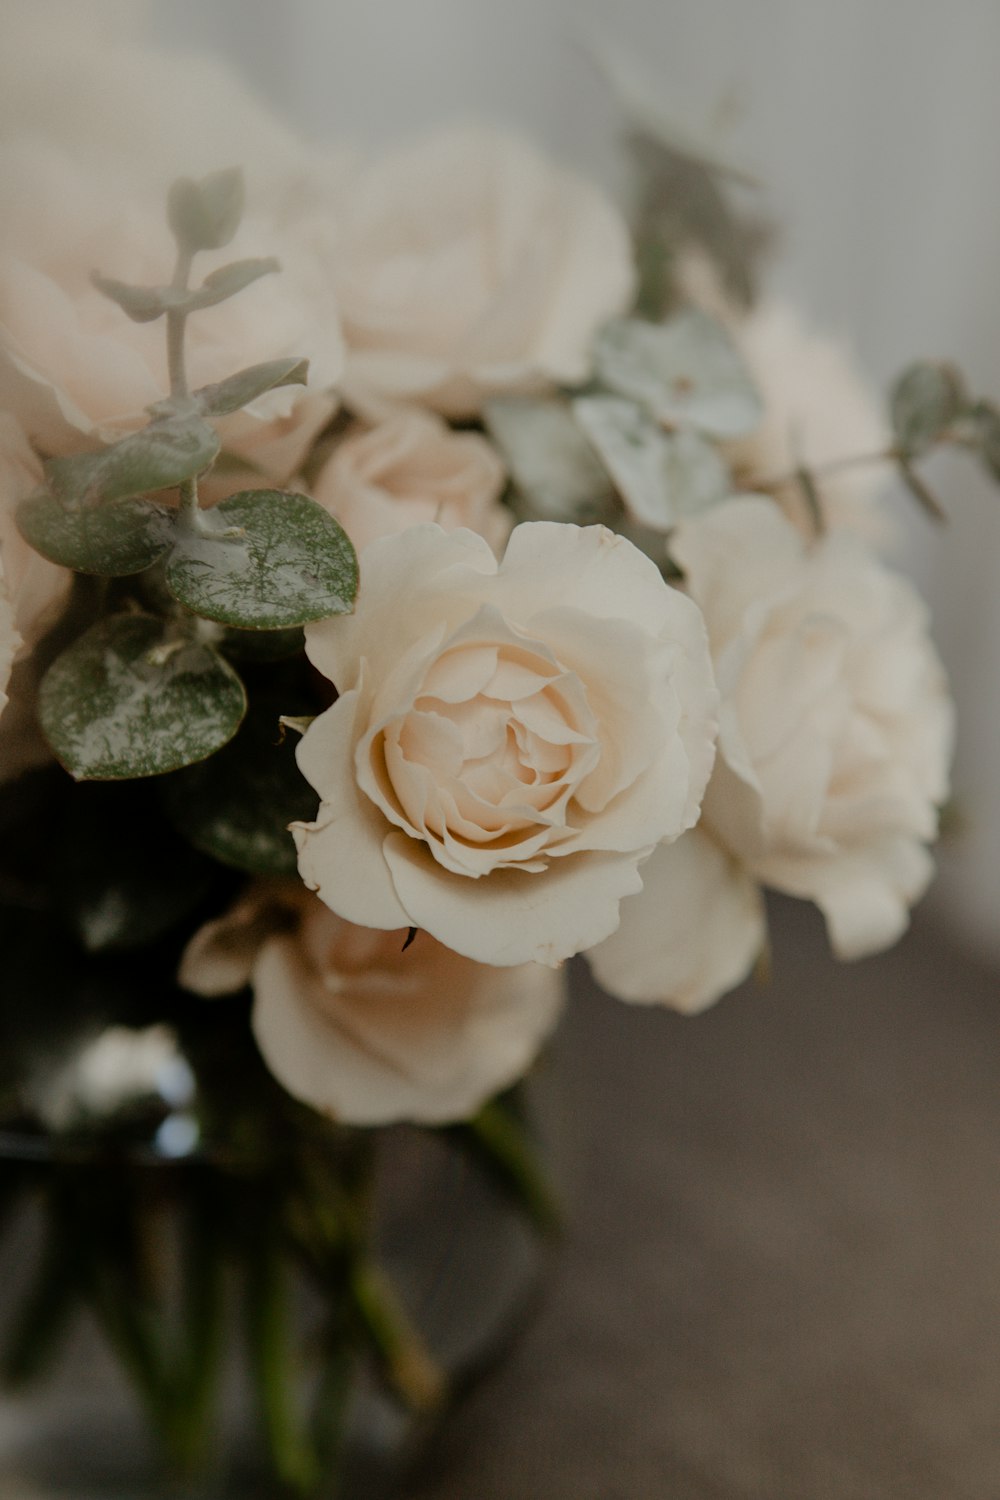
[875,129]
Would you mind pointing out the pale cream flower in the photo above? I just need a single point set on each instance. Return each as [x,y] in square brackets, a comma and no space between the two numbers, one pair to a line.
[9,639]
[692,933]
[509,741]
[835,727]
[412,468]
[469,266]
[355,1026]
[818,411]
[76,371]
[38,589]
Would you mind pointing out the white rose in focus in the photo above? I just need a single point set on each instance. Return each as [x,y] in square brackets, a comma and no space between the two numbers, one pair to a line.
[470,266]
[362,1030]
[835,726]
[817,411]
[413,468]
[77,371]
[692,933]
[509,741]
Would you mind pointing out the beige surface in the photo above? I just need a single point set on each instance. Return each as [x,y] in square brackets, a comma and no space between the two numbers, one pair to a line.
[783,1280]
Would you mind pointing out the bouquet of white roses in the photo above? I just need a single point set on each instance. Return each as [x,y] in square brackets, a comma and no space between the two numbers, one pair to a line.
[422,579]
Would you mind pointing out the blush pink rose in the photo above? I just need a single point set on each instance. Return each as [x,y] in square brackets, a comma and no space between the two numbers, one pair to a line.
[413,468]
[362,1030]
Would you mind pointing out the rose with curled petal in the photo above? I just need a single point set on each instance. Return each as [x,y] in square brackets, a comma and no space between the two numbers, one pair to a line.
[471,266]
[510,741]
[356,1025]
[414,468]
[692,933]
[836,726]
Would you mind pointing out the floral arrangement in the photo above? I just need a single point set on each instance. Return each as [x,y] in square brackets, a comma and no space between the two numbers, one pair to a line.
[412,577]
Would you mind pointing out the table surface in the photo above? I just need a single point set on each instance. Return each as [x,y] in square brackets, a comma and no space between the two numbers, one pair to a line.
[782,1279]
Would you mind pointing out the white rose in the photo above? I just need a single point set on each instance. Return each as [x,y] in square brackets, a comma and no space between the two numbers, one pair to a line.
[75,370]
[413,468]
[9,639]
[470,265]
[836,725]
[355,1026]
[510,740]
[691,934]
[817,411]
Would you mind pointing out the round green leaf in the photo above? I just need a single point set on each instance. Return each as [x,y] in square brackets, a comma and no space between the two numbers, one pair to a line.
[162,455]
[110,540]
[128,699]
[661,476]
[549,459]
[925,400]
[238,805]
[687,371]
[274,560]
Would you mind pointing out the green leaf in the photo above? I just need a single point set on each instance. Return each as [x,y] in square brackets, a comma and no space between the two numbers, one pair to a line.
[224,283]
[921,492]
[159,457]
[660,476]
[142,304]
[239,390]
[924,401]
[110,540]
[129,699]
[687,371]
[205,215]
[550,461]
[287,563]
[986,420]
[237,805]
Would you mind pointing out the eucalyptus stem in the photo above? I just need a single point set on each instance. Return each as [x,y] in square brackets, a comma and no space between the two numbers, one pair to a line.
[176,324]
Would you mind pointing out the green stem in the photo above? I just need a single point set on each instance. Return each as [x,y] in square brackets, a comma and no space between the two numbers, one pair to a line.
[176,323]
[272,1358]
[499,1142]
[400,1348]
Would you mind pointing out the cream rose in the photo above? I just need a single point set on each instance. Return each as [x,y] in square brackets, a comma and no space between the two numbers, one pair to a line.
[510,740]
[414,468]
[9,640]
[817,411]
[691,934]
[355,1026]
[469,266]
[75,370]
[836,725]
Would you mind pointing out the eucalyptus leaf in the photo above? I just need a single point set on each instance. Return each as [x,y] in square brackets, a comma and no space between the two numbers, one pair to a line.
[286,562]
[986,418]
[205,215]
[159,457]
[660,476]
[224,283]
[687,371]
[110,540]
[142,304]
[240,389]
[925,400]
[551,462]
[128,699]
[237,806]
